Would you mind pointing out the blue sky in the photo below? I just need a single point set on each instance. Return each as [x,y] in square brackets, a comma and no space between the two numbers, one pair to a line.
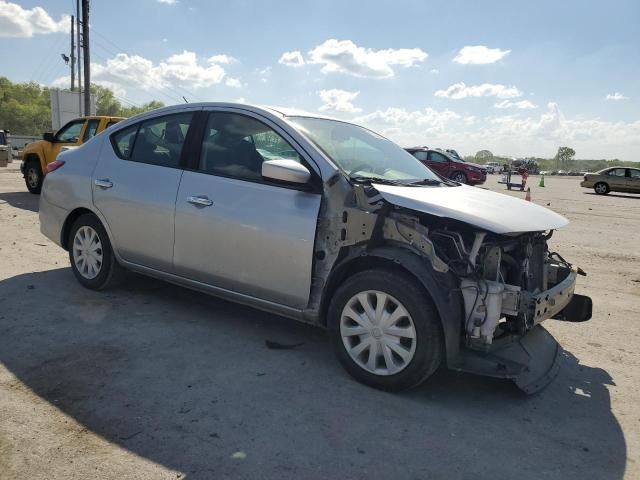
[533,76]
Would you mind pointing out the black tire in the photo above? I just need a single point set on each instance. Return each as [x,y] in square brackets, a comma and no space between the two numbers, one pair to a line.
[601,188]
[33,176]
[110,272]
[459,177]
[429,338]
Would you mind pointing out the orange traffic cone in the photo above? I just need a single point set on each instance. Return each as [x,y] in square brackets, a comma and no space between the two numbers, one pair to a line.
[528,196]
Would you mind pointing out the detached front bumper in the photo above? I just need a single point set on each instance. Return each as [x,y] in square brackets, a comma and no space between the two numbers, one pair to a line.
[560,302]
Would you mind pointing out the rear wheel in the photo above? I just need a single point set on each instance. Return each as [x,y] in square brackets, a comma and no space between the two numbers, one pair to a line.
[601,188]
[33,176]
[92,260]
[459,177]
[385,330]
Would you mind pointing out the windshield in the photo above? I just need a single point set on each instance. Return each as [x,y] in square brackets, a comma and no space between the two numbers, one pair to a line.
[360,153]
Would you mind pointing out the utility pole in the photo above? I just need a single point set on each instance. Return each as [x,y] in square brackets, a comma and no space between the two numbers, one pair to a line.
[73,56]
[78,59]
[86,57]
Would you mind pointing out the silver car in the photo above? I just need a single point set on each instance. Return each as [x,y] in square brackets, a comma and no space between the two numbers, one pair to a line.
[324,222]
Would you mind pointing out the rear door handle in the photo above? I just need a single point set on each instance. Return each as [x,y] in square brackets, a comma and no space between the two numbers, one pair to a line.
[103,183]
[200,201]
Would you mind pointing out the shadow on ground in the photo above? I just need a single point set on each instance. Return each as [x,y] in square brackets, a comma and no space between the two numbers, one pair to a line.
[22,200]
[186,381]
[616,195]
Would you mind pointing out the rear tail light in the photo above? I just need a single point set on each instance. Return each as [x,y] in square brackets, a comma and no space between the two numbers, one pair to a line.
[56,164]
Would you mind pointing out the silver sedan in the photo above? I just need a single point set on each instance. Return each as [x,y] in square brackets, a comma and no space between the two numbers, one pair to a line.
[321,221]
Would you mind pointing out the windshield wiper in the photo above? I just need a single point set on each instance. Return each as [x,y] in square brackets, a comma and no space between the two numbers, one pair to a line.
[425,181]
[384,181]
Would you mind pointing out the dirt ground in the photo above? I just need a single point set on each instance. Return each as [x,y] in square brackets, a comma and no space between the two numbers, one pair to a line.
[154,381]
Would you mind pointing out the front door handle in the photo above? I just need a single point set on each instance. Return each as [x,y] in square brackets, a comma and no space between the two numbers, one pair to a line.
[103,183]
[200,201]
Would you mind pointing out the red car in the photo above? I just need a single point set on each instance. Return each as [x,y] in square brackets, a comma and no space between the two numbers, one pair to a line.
[450,166]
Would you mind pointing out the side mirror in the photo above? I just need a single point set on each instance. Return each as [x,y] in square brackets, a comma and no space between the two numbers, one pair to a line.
[285,170]
[48,136]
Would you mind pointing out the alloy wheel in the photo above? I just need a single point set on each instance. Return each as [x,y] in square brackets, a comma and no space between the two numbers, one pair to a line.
[87,252]
[460,178]
[378,333]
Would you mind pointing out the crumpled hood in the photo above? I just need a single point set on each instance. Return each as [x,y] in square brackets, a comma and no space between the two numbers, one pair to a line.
[485,209]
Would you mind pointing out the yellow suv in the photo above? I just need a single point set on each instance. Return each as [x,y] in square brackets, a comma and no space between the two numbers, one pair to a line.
[37,155]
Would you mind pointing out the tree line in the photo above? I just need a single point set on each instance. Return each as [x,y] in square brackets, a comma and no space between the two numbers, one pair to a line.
[563,160]
[25,108]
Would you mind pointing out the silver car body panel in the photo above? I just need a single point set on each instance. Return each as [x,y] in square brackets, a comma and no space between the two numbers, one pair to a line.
[139,208]
[484,209]
[254,239]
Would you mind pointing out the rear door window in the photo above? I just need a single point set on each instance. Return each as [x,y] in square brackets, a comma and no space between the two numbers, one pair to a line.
[617,172]
[437,157]
[159,141]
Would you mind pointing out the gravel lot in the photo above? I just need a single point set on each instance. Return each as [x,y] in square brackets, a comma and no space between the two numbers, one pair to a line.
[154,381]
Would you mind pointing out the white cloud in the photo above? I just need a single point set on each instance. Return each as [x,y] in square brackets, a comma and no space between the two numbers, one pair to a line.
[409,127]
[183,69]
[460,90]
[539,135]
[435,71]
[168,2]
[336,100]
[479,55]
[522,105]
[346,57]
[222,59]
[616,96]
[292,59]
[16,21]
[233,83]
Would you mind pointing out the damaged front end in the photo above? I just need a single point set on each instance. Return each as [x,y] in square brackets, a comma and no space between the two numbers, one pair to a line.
[510,284]
[491,287]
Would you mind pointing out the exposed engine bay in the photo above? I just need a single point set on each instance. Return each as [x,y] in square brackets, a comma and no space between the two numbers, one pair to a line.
[509,284]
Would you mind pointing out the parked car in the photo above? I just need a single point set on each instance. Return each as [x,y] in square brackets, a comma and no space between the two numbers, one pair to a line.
[406,270]
[37,155]
[493,167]
[613,179]
[449,166]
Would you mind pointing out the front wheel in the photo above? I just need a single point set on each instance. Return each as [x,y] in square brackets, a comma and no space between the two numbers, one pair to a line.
[459,177]
[92,260]
[33,176]
[385,330]
[601,188]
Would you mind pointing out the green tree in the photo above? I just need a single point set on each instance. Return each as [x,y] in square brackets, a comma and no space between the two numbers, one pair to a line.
[564,157]
[24,107]
[484,156]
[145,107]
[106,102]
